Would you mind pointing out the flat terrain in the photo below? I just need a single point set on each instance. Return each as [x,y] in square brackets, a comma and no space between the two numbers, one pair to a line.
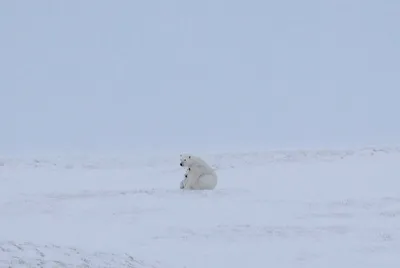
[270,209]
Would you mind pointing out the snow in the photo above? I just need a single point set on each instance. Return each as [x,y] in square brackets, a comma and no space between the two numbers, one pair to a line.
[293,208]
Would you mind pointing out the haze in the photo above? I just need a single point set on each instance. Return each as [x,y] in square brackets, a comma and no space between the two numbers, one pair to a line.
[186,75]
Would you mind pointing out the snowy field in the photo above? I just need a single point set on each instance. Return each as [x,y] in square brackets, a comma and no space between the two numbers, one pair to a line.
[277,209]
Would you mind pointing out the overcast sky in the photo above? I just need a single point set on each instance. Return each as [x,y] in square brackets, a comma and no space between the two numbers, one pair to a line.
[129,75]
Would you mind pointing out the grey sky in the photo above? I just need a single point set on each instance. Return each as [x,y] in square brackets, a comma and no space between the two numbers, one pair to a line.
[130,75]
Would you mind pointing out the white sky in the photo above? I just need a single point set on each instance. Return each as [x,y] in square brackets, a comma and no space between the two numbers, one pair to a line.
[138,75]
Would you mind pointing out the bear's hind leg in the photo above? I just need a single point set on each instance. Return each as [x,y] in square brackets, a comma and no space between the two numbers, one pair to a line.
[207,182]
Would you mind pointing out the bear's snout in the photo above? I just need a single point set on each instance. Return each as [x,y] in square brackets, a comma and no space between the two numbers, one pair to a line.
[181,164]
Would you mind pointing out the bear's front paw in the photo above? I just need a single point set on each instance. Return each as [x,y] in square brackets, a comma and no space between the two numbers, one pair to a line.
[182,185]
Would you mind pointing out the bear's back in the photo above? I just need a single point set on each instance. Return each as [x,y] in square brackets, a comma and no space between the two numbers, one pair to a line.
[199,162]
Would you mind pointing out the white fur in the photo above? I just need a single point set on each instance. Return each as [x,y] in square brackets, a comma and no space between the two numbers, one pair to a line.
[199,175]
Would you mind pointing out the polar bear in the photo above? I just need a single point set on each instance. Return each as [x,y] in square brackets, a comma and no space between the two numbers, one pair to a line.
[199,175]
[184,181]
[188,180]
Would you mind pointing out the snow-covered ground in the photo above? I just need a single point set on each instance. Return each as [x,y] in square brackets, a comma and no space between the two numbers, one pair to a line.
[270,209]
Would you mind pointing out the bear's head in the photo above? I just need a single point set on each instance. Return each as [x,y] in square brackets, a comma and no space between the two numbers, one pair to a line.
[186,160]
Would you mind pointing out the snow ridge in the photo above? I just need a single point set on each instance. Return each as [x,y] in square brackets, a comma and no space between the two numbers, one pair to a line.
[169,162]
[14,254]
